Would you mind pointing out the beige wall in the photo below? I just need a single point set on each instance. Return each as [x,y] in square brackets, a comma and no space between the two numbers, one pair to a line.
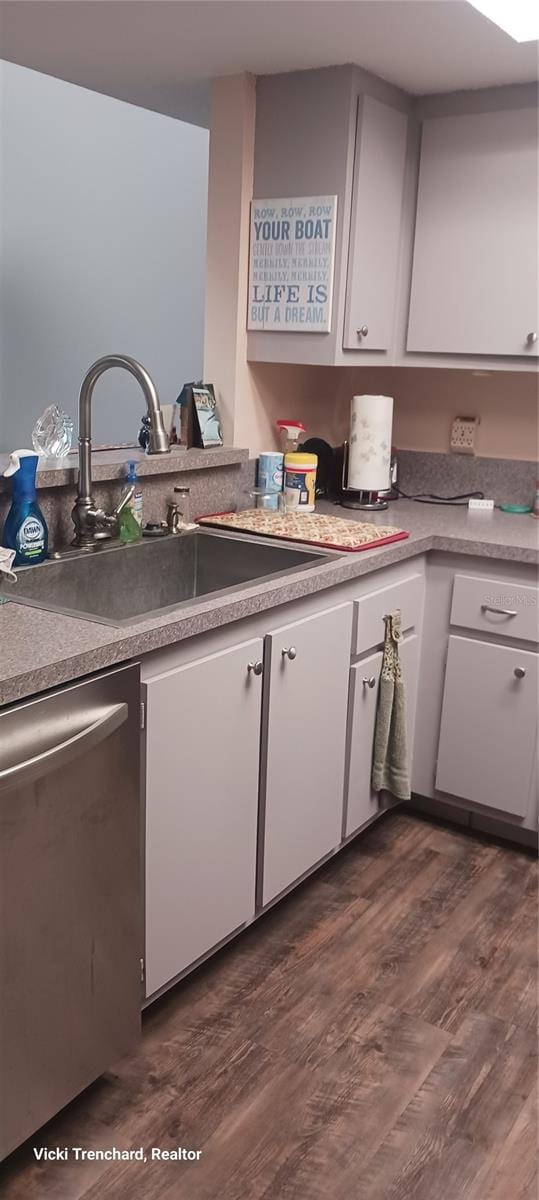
[426,400]
[230,187]
[253,396]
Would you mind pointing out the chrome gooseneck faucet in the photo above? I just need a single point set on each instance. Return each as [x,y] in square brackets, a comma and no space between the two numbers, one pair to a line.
[93,524]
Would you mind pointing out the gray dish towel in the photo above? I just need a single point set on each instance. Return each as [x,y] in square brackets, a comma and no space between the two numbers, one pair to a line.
[390,770]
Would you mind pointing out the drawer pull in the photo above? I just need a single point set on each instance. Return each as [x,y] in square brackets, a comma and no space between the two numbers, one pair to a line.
[504,612]
[369,681]
[519,672]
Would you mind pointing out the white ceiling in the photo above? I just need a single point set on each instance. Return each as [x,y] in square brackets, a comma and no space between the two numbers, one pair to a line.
[160,54]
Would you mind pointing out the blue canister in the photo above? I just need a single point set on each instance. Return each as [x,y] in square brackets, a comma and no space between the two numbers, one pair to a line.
[270,479]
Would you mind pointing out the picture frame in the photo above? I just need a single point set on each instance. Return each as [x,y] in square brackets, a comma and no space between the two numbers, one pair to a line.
[207,431]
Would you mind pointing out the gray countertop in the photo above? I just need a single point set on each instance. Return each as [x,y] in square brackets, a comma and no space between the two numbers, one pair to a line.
[40,649]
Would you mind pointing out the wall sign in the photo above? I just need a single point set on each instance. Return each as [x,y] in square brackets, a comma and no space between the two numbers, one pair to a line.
[291,262]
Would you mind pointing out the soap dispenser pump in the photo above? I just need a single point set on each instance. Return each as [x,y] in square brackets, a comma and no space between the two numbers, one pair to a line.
[25,529]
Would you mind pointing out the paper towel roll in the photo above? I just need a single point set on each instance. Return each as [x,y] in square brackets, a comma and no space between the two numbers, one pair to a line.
[370,443]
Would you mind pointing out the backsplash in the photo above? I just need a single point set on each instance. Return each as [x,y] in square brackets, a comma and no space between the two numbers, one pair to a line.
[223,488]
[504,480]
[214,489]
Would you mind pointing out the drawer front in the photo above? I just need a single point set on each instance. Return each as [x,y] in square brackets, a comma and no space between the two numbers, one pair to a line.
[495,606]
[369,612]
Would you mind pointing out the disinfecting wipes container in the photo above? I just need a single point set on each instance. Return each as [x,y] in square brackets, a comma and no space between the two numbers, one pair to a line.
[300,482]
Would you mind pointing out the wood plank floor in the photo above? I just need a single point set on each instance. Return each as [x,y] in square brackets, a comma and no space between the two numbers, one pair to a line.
[372,1038]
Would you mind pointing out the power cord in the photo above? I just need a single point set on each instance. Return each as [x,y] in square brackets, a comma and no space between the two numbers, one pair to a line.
[431,498]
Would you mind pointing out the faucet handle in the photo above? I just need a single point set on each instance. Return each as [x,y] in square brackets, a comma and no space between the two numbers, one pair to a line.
[105,520]
[127,496]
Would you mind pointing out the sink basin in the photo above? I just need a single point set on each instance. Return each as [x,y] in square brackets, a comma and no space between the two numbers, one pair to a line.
[126,583]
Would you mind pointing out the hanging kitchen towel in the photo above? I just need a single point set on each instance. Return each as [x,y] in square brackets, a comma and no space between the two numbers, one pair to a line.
[6,562]
[390,758]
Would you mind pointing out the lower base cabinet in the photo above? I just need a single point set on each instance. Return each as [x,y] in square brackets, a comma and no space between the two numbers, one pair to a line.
[362,803]
[202,759]
[307,665]
[488,734]
[258,755]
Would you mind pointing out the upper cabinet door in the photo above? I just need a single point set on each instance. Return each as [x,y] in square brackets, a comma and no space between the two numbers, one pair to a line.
[376,226]
[474,279]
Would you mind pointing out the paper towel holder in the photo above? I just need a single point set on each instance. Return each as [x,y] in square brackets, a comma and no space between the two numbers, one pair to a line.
[355,498]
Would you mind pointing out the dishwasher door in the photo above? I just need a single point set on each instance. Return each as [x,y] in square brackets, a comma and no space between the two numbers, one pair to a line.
[70,895]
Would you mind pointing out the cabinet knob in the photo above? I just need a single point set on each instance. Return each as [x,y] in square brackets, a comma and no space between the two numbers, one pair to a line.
[369,681]
[289,652]
[519,672]
[255,668]
[363,331]
[531,339]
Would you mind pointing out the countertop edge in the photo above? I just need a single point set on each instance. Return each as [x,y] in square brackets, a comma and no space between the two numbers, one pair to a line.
[453,544]
[57,473]
[257,598]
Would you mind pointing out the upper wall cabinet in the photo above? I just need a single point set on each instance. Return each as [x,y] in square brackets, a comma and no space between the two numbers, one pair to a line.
[452,282]
[474,277]
[375,233]
[337,131]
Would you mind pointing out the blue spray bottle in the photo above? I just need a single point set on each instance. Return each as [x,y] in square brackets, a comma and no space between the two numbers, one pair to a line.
[25,530]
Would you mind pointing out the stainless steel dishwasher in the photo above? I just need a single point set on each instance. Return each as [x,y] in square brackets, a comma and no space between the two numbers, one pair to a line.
[70,893]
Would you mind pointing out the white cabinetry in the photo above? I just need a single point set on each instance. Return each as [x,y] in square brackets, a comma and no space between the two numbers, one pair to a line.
[375,232]
[488,735]
[254,776]
[307,666]
[202,755]
[474,279]
[407,595]
[337,131]
[476,727]
[451,281]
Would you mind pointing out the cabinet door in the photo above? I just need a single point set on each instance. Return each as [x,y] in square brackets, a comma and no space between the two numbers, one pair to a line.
[202,755]
[305,745]
[362,802]
[376,226]
[474,280]
[489,725]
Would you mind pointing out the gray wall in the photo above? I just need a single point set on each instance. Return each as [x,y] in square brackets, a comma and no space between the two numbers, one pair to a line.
[103,246]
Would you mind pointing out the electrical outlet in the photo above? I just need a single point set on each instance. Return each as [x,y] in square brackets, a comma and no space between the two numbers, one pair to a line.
[463,432]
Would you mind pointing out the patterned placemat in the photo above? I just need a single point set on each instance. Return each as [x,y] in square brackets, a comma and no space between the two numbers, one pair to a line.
[333,533]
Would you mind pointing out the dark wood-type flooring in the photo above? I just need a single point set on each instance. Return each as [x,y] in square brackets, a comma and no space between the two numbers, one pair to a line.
[372,1038]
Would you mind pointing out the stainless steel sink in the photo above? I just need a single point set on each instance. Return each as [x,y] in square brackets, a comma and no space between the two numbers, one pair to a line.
[127,583]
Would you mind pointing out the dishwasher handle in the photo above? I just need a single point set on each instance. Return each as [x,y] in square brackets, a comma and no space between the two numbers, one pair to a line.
[36,766]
